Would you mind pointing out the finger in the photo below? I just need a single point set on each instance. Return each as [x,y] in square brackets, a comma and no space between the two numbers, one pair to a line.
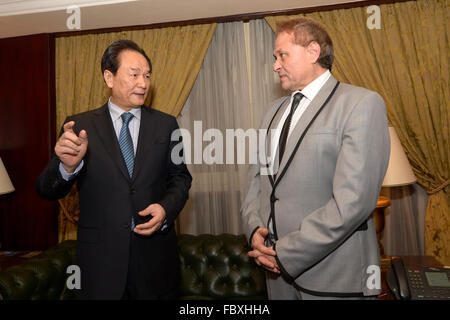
[254,253]
[140,229]
[147,225]
[66,143]
[61,151]
[259,236]
[151,209]
[266,262]
[155,221]
[263,232]
[260,246]
[69,126]
[274,270]
[145,212]
[83,135]
[267,250]
[71,136]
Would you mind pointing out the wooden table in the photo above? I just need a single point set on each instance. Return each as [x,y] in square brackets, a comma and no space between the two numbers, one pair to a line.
[10,258]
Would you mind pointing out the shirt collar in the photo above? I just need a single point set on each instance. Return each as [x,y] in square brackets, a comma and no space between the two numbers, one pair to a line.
[116,111]
[311,90]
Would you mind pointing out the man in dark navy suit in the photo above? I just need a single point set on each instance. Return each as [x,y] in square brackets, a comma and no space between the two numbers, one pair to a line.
[130,190]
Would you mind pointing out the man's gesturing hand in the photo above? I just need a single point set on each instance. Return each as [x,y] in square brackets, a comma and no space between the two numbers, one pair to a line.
[264,256]
[153,225]
[71,148]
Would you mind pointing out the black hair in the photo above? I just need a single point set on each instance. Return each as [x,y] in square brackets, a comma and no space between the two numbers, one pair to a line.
[109,59]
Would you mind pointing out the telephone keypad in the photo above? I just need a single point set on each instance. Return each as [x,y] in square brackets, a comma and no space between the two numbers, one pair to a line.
[419,288]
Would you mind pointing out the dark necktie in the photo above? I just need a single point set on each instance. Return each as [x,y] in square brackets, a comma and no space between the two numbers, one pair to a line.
[287,125]
[125,142]
[127,148]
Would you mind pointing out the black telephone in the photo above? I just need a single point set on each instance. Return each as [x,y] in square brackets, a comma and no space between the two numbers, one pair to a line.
[418,283]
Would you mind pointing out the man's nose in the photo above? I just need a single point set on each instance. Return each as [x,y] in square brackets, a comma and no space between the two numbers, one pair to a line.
[276,66]
[142,82]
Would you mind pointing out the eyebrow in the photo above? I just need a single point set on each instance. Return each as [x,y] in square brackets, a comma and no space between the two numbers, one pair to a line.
[138,69]
[277,51]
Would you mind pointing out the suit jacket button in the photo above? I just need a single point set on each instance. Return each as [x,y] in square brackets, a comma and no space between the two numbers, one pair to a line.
[132,191]
[126,225]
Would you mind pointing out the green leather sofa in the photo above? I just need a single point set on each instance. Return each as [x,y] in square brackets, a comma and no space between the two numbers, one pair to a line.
[212,267]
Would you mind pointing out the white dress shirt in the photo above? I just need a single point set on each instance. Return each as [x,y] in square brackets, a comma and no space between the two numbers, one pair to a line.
[309,92]
[133,125]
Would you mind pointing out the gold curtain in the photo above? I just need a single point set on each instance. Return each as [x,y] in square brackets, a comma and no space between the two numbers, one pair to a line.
[407,62]
[176,53]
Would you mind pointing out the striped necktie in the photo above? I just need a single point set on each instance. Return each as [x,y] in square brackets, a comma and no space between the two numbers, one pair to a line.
[126,146]
[125,142]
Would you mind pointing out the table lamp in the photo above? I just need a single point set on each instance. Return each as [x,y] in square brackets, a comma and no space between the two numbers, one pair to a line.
[6,185]
[399,173]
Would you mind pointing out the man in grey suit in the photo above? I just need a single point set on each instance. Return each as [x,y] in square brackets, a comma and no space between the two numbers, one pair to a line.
[309,221]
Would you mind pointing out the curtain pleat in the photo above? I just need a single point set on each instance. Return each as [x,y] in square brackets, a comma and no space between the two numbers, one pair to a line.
[233,88]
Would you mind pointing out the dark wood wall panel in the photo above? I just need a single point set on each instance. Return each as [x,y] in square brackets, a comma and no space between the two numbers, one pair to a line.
[27,137]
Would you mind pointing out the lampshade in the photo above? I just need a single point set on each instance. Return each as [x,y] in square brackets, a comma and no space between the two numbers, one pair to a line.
[6,185]
[399,172]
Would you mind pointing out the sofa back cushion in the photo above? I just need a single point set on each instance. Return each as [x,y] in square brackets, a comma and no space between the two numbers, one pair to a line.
[218,267]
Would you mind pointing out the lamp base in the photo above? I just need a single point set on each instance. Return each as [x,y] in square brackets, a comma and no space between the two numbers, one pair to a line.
[378,215]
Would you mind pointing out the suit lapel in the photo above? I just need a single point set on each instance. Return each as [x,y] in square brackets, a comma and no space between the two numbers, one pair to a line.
[105,130]
[146,134]
[306,118]
[271,123]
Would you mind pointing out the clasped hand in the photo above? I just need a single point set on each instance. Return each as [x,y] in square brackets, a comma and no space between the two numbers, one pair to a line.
[264,256]
[153,225]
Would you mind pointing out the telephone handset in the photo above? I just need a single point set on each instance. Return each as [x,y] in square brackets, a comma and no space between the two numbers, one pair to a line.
[418,282]
[397,280]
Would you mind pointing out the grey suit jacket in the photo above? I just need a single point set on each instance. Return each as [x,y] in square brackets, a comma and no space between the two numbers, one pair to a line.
[324,201]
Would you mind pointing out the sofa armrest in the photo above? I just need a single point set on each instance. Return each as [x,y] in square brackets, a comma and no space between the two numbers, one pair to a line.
[40,277]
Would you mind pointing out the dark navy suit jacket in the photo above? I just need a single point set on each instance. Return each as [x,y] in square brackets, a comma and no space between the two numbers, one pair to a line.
[109,198]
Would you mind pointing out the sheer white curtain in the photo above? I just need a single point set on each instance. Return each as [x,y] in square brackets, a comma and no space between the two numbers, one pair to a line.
[405,221]
[233,88]
[235,85]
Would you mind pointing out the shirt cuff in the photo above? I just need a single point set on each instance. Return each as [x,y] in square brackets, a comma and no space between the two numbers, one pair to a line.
[69,176]
[164,226]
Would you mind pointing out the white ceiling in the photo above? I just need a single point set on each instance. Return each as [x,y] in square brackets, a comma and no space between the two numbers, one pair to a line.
[23,17]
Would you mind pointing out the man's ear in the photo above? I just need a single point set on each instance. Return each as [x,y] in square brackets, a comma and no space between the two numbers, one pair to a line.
[108,76]
[313,51]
